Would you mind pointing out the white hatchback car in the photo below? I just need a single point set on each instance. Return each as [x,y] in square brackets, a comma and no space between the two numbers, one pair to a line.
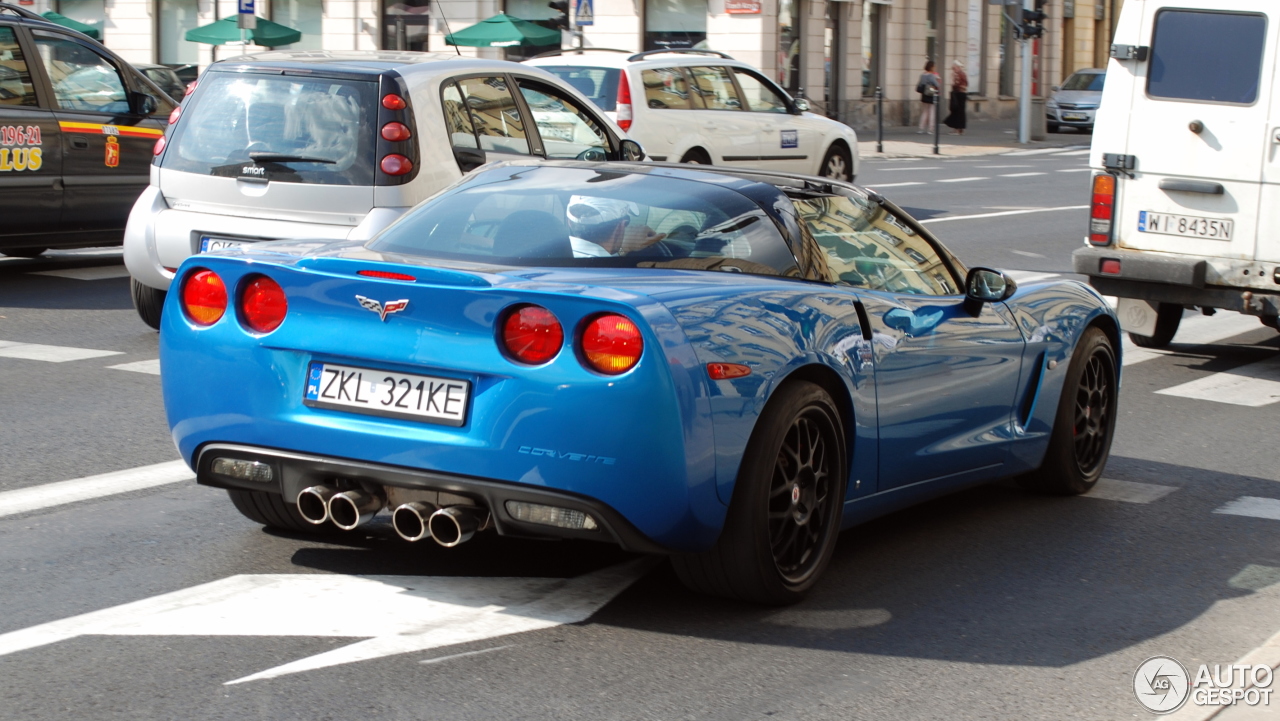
[702,106]
[307,144]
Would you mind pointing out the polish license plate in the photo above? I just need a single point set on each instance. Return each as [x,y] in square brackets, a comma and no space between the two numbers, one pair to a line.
[208,243]
[385,393]
[1185,225]
[1074,116]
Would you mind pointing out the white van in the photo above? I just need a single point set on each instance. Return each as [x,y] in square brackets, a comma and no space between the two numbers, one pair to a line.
[1186,149]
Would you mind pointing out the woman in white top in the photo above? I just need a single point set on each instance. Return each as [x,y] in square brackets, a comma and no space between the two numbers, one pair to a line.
[929,87]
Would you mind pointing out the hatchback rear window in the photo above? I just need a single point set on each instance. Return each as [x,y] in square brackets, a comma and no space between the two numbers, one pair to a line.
[575,217]
[278,128]
[1208,56]
[600,85]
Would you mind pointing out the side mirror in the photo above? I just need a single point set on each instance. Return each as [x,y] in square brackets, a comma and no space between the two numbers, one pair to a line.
[802,105]
[631,150]
[987,286]
[1056,88]
[144,104]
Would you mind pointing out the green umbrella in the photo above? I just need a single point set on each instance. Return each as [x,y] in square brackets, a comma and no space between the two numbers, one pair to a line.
[503,31]
[227,30]
[67,22]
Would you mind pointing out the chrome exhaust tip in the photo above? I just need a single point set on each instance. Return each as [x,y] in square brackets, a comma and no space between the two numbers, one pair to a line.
[351,509]
[454,525]
[411,520]
[313,504]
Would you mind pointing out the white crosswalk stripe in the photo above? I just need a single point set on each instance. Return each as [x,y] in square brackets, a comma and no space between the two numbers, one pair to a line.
[1253,385]
[959,180]
[1128,491]
[1254,507]
[49,353]
[146,366]
[100,272]
[1195,330]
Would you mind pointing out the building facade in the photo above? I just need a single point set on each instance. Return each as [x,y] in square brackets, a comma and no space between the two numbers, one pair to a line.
[836,53]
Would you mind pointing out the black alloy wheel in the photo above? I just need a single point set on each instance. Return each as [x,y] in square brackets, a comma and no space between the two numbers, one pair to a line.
[784,517]
[1093,409]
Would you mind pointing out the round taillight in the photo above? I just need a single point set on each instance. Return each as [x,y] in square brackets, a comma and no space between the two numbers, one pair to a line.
[612,344]
[204,297]
[531,334]
[396,164]
[191,88]
[263,305]
[177,113]
[395,132]
[393,102]
[159,146]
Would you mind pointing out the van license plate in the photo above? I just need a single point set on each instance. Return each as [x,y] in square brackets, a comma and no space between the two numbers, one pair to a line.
[208,244]
[1185,225]
[383,393]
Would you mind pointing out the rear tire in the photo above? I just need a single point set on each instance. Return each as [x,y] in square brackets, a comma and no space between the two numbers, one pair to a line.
[1168,317]
[1085,422]
[697,156]
[148,301]
[838,164]
[24,252]
[272,511]
[785,514]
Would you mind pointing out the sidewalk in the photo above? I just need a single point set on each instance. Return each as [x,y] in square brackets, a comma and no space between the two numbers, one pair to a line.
[982,137]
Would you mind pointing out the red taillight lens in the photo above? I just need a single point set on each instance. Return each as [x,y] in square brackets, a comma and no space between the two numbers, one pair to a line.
[204,297]
[263,305]
[191,88]
[159,146]
[1102,209]
[612,344]
[1110,266]
[624,102]
[725,371]
[173,116]
[385,274]
[393,102]
[396,164]
[395,132]
[531,334]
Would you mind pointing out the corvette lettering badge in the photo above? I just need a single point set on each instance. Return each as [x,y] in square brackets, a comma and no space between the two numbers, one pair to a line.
[383,310]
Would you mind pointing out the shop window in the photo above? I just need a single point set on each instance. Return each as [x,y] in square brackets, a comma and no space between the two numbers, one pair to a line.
[405,24]
[675,24]
[176,18]
[790,47]
[872,42]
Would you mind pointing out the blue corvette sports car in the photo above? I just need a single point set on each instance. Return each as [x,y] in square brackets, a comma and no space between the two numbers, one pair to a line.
[724,366]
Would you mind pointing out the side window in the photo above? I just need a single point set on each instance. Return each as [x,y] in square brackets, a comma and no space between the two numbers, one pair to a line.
[15,79]
[457,121]
[867,247]
[82,79]
[715,87]
[665,88]
[568,130]
[496,116]
[760,96]
[1211,56]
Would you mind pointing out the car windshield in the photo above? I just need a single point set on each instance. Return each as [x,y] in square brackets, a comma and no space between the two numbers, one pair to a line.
[600,85]
[585,217]
[278,128]
[1085,81]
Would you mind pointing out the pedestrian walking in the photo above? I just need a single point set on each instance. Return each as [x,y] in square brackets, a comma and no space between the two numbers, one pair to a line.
[929,87]
[957,118]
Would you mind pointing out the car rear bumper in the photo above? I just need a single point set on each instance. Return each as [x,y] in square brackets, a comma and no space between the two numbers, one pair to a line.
[1171,278]
[292,472]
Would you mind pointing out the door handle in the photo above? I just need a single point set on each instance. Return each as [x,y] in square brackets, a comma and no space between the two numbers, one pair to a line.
[80,143]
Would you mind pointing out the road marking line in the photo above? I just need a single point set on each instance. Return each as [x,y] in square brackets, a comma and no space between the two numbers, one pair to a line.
[1002,167]
[468,653]
[1254,385]
[1075,170]
[1026,253]
[1038,151]
[1021,175]
[1254,507]
[1029,276]
[1085,151]
[1267,654]
[893,185]
[48,495]
[101,272]
[893,170]
[49,353]
[146,366]
[413,613]
[960,180]
[1128,491]
[1001,214]
[1196,330]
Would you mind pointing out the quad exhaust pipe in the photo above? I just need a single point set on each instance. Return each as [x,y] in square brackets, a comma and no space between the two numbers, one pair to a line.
[450,526]
[346,509]
[411,520]
[455,525]
[313,504]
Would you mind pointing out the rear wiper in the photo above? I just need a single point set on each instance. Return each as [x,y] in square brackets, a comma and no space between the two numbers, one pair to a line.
[260,157]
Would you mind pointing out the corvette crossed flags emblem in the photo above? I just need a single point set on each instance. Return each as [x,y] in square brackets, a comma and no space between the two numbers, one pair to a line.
[383,309]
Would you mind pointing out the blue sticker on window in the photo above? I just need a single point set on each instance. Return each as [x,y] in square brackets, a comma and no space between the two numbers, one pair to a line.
[314,372]
[790,139]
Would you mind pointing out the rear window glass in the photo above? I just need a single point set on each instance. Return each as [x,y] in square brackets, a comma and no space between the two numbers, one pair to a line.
[600,85]
[279,128]
[1210,56]
[1085,81]
[576,217]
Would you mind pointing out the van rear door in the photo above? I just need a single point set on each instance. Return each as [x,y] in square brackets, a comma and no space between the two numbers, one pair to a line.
[1199,112]
[1269,217]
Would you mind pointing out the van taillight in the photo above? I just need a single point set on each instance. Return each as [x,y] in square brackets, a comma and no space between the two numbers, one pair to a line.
[1102,209]
[624,102]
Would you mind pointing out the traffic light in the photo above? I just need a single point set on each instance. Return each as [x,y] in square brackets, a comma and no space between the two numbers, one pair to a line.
[561,21]
[1033,20]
